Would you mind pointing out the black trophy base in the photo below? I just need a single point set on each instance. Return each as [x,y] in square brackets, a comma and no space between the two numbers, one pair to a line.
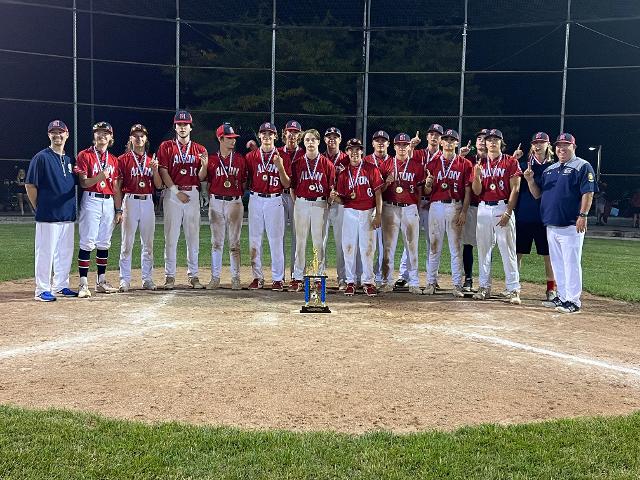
[314,309]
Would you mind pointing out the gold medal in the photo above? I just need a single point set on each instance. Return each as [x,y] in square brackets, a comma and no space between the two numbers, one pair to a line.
[353,195]
[492,186]
[183,171]
[103,184]
[312,188]
[142,184]
[444,185]
[227,184]
[399,189]
[265,177]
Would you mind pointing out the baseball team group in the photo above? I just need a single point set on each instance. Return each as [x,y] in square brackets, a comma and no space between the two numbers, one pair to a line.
[475,197]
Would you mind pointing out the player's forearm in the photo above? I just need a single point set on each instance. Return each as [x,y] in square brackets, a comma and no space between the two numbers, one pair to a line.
[157,180]
[285,180]
[202,173]
[534,189]
[32,194]
[378,202]
[476,186]
[467,199]
[513,196]
[585,202]
[117,194]
[166,178]
[88,182]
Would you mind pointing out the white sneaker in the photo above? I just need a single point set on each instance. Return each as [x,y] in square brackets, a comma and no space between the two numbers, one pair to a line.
[342,285]
[235,283]
[124,286]
[514,297]
[430,290]
[83,291]
[386,288]
[415,290]
[457,291]
[551,294]
[105,287]
[149,285]
[169,283]
[505,293]
[213,283]
[195,283]
[482,294]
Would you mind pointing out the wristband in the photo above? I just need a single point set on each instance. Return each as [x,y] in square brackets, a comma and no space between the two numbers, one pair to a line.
[118,210]
[583,215]
[174,189]
[507,214]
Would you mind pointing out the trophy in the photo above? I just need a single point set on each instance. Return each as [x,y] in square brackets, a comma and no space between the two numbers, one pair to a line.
[314,300]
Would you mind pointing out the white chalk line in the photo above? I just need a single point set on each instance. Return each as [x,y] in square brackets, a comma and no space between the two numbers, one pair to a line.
[530,348]
[136,318]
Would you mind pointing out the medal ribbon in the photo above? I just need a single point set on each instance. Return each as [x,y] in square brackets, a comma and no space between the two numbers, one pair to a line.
[264,165]
[312,176]
[224,169]
[352,182]
[446,171]
[494,170]
[144,161]
[183,156]
[395,166]
[98,157]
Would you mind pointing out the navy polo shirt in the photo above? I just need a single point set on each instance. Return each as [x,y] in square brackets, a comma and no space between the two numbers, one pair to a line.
[528,207]
[53,176]
[562,188]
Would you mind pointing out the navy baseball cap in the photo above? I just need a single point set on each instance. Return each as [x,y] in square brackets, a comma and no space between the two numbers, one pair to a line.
[334,130]
[494,133]
[103,126]
[138,127]
[182,116]
[57,125]
[566,138]
[293,126]
[225,130]
[381,134]
[482,132]
[402,138]
[354,143]
[449,132]
[267,127]
[540,137]
[435,127]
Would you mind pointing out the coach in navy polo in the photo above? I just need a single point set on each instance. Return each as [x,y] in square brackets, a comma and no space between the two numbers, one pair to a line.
[567,189]
[50,186]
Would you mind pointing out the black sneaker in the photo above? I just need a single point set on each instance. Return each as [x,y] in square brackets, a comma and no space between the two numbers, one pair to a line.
[568,307]
[400,283]
[468,285]
[553,303]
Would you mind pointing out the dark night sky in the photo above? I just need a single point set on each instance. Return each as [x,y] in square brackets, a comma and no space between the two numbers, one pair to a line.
[38,29]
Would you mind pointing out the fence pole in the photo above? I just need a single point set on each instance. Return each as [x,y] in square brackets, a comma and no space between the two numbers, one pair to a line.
[93,112]
[463,67]
[367,45]
[273,65]
[177,54]
[566,63]
[75,79]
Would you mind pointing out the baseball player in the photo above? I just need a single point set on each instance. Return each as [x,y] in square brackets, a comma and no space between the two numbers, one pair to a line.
[226,173]
[402,190]
[449,186]
[180,160]
[529,226]
[332,139]
[137,177]
[497,182]
[312,178]
[358,188]
[268,174]
[566,188]
[380,143]
[424,156]
[50,185]
[291,135]
[97,170]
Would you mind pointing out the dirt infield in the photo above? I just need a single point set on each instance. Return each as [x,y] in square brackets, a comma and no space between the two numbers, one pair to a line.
[396,362]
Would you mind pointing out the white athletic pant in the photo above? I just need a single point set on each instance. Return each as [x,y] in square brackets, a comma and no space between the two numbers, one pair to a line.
[95,222]
[397,219]
[469,231]
[54,249]
[137,213]
[289,219]
[266,214]
[225,217]
[335,218]
[377,264]
[487,235]
[423,213]
[357,231]
[309,215]
[187,215]
[441,221]
[565,251]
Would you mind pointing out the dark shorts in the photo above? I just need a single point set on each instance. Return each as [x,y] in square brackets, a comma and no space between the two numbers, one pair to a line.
[527,233]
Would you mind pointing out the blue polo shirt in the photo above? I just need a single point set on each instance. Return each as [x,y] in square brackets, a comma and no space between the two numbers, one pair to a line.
[562,188]
[528,208]
[53,176]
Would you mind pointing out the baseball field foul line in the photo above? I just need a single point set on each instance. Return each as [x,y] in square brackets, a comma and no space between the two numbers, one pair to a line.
[529,348]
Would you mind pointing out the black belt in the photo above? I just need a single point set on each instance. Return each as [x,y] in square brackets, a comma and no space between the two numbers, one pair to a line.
[313,199]
[187,188]
[396,204]
[495,202]
[286,190]
[138,197]
[447,201]
[473,204]
[223,197]
[99,195]
[266,195]
[425,198]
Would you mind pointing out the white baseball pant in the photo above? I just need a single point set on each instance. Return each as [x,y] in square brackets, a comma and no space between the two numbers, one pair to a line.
[469,231]
[357,231]
[225,216]
[377,264]
[289,219]
[309,215]
[53,249]
[565,251]
[397,219]
[441,221]
[187,215]
[266,214]
[335,219]
[137,213]
[95,222]
[488,234]
[423,213]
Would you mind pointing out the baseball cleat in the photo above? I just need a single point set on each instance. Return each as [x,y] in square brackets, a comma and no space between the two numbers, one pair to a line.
[277,286]
[430,289]
[468,285]
[213,283]
[415,290]
[350,289]
[342,285]
[83,291]
[67,292]
[514,297]
[295,285]
[568,307]
[369,290]
[458,291]
[551,294]
[45,297]
[195,283]
[169,283]
[257,284]
[124,287]
[235,283]
[553,303]
[401,282]
[386,288]
[482,294]
[105,287]
[505,293]
[148,285]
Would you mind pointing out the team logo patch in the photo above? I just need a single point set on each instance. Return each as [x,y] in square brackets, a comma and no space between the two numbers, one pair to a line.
[590,177]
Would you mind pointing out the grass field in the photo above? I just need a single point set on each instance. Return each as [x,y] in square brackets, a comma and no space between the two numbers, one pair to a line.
[610,267]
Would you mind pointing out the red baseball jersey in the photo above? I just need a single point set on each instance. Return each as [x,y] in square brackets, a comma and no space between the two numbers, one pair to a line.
[314,179]
[424,156]
[449,177]
[377,161]
[293,155]
[409,176]
[226,176]
[475,199]
[182,162]
[136,177]
[363,185]
[91,161]
[340,160]
[263,174]
[495,177]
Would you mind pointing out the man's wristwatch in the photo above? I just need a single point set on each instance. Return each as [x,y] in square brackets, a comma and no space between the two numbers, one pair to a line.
[583,215]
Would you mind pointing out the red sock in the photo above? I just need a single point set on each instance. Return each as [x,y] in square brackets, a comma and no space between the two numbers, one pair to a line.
[551,285]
